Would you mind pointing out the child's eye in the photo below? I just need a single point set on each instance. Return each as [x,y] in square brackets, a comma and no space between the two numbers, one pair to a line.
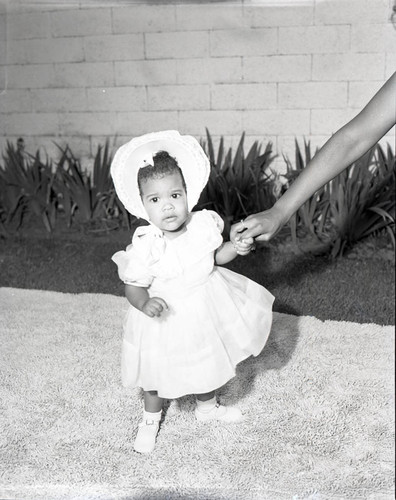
[154,200]
[176,195]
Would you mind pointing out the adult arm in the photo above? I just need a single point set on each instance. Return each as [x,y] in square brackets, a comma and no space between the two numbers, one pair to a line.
[347,145]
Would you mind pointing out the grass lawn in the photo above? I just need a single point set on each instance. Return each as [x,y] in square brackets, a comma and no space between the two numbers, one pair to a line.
[358,287]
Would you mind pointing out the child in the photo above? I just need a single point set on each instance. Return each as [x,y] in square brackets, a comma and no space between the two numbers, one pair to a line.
[190,322]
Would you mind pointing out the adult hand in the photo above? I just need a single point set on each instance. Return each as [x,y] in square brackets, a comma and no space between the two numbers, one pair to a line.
[262,226]
[154,306]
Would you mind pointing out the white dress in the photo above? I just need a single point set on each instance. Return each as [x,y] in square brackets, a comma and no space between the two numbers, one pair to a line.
[216,317]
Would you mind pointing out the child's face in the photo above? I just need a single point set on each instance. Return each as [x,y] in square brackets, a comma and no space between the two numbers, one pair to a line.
[165,201]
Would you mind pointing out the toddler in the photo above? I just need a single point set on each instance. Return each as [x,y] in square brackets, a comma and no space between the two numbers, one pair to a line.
[189,322]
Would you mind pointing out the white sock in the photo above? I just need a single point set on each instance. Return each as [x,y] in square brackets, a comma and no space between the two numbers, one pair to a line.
[206,406]
[156,416]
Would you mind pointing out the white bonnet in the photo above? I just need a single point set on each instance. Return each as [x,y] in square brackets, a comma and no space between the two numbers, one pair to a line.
[139,152]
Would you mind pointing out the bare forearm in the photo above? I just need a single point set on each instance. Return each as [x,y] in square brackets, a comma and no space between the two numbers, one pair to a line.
[346,146]
[331,160]
[226,253]
[137,296]
[342,149]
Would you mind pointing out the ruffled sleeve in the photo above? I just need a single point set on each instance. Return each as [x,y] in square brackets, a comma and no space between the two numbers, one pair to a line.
[217,220]
[205,228]
[134,263]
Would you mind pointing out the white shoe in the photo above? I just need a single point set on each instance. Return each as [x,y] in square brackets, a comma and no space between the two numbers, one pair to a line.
[146,436]
[228,414]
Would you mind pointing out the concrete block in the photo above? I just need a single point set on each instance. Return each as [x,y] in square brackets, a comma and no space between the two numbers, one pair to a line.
[3,45]
[360,93]
[21,124]
[373,38]
[2,60]
[5,138]
[229,141]
[178,97]
[3,26]
[113,141]
[48,145]
[138,123]
[269,14]
[21,26]
[144,18]
[81,149]
[30,76]
[44,145]
[388,140]
[328,121]
[51,50]
[53,100]
[276,122]
[14,52]
[285,68]
[93,74]
[146,72]
[286,148]
[209,16]
[177,45]
[287,144]
[15,101]
[347,66]
[209,70]
[244,96]
[114,47]
[85,124]
[313,39]
[43,6]
[311,95]
[243,42]
[217,122]
[81,22]
[352,11]
[117,99]
[390,65]
[232,142]
[3,68]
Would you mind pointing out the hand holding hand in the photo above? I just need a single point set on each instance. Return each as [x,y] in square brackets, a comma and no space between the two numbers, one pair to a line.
[243,246]
[154,306]
[262,226]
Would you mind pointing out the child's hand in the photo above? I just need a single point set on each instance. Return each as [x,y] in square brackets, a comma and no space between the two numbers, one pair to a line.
[262,226]
[154,306]
[243,246]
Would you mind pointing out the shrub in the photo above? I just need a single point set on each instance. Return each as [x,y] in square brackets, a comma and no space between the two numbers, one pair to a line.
[238,184]
[88,197]
[311,217]
[359,202]
[27,188]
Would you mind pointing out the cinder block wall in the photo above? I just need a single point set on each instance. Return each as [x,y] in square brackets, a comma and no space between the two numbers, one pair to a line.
[81,72]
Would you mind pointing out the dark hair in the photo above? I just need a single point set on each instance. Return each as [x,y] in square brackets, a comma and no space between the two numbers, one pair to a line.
[164,164]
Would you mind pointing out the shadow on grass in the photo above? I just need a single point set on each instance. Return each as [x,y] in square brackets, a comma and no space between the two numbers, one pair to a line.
[358,289]
[281,273]
[276,354]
